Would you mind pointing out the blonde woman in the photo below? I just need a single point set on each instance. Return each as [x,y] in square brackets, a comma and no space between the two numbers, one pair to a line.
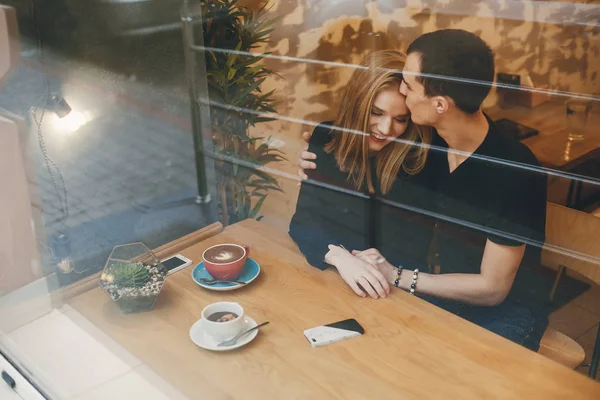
[371,149]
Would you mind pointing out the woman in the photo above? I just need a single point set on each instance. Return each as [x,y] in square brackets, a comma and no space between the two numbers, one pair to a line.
[361,154]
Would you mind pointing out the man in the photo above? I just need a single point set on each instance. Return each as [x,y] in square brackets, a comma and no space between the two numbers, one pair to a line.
[486,190]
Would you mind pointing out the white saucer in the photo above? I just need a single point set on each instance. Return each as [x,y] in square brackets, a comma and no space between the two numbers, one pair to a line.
[204,340]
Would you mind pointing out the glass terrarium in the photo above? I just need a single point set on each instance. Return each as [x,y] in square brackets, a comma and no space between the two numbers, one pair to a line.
[133,277]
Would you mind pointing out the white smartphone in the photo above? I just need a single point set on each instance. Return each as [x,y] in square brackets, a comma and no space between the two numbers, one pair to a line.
[331,333]
[175,263]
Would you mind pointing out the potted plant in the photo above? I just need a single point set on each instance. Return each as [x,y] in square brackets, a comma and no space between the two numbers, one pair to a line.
[238,103]
[133,277]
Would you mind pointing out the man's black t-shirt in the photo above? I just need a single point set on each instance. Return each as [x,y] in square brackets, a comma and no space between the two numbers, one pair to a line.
[498,193]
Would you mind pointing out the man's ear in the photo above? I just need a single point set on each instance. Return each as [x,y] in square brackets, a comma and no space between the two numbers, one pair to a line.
[441,104]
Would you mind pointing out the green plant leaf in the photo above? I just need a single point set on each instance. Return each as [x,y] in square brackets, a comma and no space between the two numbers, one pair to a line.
[267,158]
[256,207]
[258,182]
[263,148]
[268,187]
[263,33]
[231,74]
[248,72]
[254,59]
[258,192]
[233,56]
[266,176]
[264,119]
[254,139]
[247,90]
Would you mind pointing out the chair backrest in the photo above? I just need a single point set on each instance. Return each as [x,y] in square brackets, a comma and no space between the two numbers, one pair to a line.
[572,240]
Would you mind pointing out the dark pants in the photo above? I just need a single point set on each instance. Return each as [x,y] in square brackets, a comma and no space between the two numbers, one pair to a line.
[516,321]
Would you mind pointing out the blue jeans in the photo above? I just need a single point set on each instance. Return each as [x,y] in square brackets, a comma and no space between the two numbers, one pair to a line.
[515,321]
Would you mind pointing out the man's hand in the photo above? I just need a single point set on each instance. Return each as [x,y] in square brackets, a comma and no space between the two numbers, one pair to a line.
[304,159]
[490,287]
[374,257]
[359,275]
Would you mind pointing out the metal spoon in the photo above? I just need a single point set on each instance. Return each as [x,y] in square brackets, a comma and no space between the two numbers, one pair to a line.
[233,341]
[213,281]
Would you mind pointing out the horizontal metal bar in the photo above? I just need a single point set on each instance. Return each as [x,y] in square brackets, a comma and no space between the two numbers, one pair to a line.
[495,160]
[556,93]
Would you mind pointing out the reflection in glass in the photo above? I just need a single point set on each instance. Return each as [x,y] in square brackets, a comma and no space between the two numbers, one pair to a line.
[567,153]
[577,115]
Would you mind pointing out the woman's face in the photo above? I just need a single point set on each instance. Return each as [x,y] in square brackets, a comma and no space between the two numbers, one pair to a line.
[388,119]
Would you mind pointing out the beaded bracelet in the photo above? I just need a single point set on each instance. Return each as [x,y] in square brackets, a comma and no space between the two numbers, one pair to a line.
[398,275]
[413,285]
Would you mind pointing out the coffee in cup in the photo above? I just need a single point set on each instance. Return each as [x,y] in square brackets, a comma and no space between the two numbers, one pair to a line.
[225,261]
[222,316]
[223,320]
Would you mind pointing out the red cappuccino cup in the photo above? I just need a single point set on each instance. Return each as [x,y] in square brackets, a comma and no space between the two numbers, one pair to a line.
[225,261]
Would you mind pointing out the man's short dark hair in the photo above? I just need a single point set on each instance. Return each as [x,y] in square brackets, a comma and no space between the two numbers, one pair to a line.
[457,64]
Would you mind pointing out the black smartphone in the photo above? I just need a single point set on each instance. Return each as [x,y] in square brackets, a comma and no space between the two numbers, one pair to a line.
[175,263]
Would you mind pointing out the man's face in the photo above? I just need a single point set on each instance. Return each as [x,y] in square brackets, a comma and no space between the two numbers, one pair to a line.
[422,108]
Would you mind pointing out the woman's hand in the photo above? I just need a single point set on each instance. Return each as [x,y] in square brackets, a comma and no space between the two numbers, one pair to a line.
[361,276]
[375,258]
[304,160]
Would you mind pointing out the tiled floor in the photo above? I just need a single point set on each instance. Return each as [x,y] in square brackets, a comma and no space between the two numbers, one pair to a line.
[76,361]
[579,320]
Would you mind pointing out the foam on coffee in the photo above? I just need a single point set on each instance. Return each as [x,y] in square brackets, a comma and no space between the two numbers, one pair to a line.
[224,254]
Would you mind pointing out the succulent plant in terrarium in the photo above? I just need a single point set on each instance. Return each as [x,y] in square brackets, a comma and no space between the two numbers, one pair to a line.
[133,277]
[127,274]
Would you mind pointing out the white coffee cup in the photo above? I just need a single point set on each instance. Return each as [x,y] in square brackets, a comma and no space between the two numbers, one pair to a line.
[221,331]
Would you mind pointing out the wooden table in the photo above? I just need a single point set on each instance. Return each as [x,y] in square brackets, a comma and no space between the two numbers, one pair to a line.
[551,146]
[411,349]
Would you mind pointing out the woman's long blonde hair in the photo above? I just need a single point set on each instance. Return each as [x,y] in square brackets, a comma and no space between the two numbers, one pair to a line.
[350,144]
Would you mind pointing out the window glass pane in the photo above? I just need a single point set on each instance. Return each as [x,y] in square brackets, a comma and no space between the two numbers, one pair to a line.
[134,131]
